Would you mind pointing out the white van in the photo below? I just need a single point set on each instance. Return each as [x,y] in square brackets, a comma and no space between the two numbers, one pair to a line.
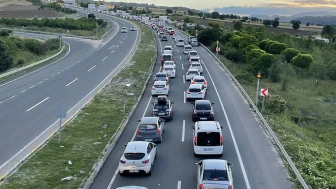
[208,138]
[180,42]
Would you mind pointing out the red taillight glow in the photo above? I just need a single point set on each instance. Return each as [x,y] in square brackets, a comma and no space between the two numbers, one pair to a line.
[122,161]
[195,140]
[158,131]
[211,112]
[138,132]
[153,88]
[188,92]
[221,141]
[230,186]
[193,82]
[195,112]
[165,88]
[205,82]
[202,187]
[201,92]
[146,161]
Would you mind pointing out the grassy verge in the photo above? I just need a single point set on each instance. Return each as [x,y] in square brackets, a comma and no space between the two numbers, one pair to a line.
[307,128]
[84,138]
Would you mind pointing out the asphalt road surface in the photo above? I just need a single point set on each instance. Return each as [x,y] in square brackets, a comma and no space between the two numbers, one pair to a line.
[29,104]
[256,163]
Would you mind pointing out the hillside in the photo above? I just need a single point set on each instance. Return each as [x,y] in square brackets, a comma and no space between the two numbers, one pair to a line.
[318,20]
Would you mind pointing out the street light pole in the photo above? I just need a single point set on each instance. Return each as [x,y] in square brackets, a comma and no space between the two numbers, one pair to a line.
[257,93]
[217,48]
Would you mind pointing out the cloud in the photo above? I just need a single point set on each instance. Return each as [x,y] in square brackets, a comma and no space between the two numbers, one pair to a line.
[303,4]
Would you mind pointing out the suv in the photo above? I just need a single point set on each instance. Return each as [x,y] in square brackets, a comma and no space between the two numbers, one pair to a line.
[208,138]
[194,42]
[160,88]
[197,65]
[164,38]
[180,42]
[170,70]
[166,57]
[199,80]
[203,110]
[163,108]
[150,129]
[193,54]
[214,173]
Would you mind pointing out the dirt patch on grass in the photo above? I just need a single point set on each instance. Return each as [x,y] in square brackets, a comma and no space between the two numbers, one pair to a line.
[25,11]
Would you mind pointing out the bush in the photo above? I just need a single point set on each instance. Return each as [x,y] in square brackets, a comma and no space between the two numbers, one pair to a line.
[262,44]
[274,73]
[264,63]
[5,57]
[245,76]
[254,55]
[268,44]
[207,36]
[100,21]
[247,40]
[331,72]
[290,53]
[277,48]
[33,46]
[302,60]
[275,104]
[5,33]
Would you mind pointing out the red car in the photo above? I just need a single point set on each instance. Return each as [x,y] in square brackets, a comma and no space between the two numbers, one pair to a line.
[171,32]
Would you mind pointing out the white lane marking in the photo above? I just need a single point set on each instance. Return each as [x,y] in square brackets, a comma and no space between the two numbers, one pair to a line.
[117,46]
[112,51]
[91,68]
[46,79]
[63,70]
[32,87]
[180,58]
[40,82]
[23,91]
[231,132]
[179,185]
[71,82]
[104,58]
[37,104]
[12,96]
[184,96]
[53,76]
[58,73]
[183,79]
[182,67]
[183,130]
[116,172]
[121,42]
[177,50]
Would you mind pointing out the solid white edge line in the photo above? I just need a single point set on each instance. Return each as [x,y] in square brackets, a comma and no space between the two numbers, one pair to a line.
[37,104]
[182,67]
[116,172]
[183,130]
[71,82]
[104,58]
[91,68]
[23,91]
[179,185]
[184,97]
[231,132]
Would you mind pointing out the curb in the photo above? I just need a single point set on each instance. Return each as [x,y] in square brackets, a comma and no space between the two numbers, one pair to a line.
[30,65]
[264,123]
[109,147]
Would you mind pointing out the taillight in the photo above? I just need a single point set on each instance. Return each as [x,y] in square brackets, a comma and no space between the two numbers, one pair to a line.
[188,92]
[195,112]
[153,88]
[146,161]
[230,186]
[165,88]
[158,131]
[154,113]
[193,82]
[205,82]
[211,112]
[167,113]
[122,161]
[195,143]
[201,92]
[221,141]
[138,132]
[201,186]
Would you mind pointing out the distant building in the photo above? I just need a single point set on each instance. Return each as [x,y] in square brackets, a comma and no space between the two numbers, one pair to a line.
[69,1]
[49,1]
[91,6]
[83,1]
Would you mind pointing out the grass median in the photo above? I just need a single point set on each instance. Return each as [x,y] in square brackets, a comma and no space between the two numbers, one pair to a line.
[84,138]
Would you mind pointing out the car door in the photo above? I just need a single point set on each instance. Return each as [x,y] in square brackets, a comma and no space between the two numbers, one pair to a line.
[204,90]
[199,174]
[149,152]
[161,125]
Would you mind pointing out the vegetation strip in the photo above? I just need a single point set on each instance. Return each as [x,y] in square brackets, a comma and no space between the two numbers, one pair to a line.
[84,138]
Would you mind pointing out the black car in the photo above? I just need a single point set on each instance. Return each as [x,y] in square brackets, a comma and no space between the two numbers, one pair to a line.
[203,111]
[163,108]
[164,38]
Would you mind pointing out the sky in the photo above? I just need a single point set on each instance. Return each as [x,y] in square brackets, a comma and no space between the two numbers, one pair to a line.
[204,4]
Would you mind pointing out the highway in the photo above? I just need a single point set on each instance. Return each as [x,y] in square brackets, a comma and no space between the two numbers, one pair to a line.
[29,104]
[256,163]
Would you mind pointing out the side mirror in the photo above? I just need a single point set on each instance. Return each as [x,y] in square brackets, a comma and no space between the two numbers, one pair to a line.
[230,164]
[192,127]
[221,127]
[139,120]
[212,103]
[172,102]
[125,145]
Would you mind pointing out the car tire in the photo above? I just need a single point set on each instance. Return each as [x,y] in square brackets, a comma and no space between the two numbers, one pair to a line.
[121,174]
[150,171]
[193,119]
[196,155]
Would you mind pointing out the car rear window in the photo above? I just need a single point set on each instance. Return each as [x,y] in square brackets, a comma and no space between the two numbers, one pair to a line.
[161,106]
[199,80]
[193,72]
[159,86]
[193,53]
[215,175]
[194,60]
[169,69]
[194,90]
[180,40]
[134,156]
[161,75]
[196,65]
[167,48]
[203,106]
[166,57]
[208,139]
[147,127]
[187,48]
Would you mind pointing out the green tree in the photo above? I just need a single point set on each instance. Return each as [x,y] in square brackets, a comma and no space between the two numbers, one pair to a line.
[275,23]
[290,53]
[215,15]
[264,63]
[267,22]
[277,48]
[186,19]
[262,44]
[296,25]
[308,24]
[249,29]
[100,21]
[207,36]
[190,12]
[268,45]
[247,40]
[302,60]
[274,73]
[331,72]
[200,14]
[238,25]
[169,11]
[254,55]
[5,57]
[328,30]
[92,16]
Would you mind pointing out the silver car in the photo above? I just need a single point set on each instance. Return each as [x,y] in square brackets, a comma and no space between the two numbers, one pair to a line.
[195,91]
[194,59]
[191,73]
[197,65]
[214,173]
[170,63]
[150,129]
[192,54]
[187,48]
[194,42]
[199,80]
[123,30]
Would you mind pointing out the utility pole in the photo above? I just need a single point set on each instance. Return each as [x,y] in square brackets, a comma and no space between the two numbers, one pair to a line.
[258,76]
[96,29]
[60,41]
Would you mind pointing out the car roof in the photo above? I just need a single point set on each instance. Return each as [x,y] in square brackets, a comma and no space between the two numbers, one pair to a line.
[206,126]
[195,86]
[149,119]
[160,83]
[168,47]
[194,57]
[192,69]
[165,54]
[218,164]
[136,146]
[202,102]
[169,61]
[161,73]
[187,46]
[195,63]
[198,77]
[169,66]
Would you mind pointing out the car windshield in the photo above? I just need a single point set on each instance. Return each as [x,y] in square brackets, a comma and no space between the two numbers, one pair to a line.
[161,106]
[159,86]
[194,60]
[134,156]
[180,40]
[198,80]
[187,48]
[161,75]
[208,139]
[147,127]
[193,53]
[203,106]
[193,73]
[166,57]
[169,69]
[215,175]
[195,90]
[167,48]
[197,65]
[124,28]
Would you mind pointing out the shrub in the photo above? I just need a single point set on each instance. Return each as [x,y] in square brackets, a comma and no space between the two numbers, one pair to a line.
[262,44]
[207,36]
[302,60]
[277,48]
[274,73]
[20,62]
[268,44]
[5,57]
[331,72]
[247,40]
[264,63]
[33,46]
[290,53]
[245,76]
[254,55]
[275,104]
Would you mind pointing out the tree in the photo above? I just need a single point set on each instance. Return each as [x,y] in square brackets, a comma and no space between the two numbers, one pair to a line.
[254,55]
[274,73]
[169,11]
[238,25]
[268,45]
[5,57]
[289,54]
[200,14]
[329,31]
[92,16]
[100,21]
[296,25]
[331,72]
[277,48]
[264,63]
[308,24]
[275,23]
[215,15]
[267,22]
[190,12]
[187,20]
[302,60]
[247,40]
[207,36]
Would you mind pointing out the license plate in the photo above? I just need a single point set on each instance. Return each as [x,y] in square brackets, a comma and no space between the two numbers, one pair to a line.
[161,113]
[203,118]
[148,140]
[208,149]
[133,171]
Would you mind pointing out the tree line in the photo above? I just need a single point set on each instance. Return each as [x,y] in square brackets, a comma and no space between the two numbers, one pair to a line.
[58,8]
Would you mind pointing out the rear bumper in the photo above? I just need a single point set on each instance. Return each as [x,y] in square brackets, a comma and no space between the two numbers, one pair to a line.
[161,93]
[200,150]
[156,138]
[194,97]
[127,169]
[201,118]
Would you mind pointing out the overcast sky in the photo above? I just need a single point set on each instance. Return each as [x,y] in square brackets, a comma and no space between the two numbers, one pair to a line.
[203,4]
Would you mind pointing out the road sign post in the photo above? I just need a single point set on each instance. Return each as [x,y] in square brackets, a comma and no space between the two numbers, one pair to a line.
[217,48]
[61,114]
[263,93]
[258,76]
[59,36]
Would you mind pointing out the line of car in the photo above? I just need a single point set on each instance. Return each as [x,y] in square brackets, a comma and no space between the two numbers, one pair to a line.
[140,154]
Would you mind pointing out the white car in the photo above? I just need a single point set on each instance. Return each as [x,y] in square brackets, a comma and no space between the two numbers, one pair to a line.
[194,59]
[187,48]
[195,91]
[170,63]
[214,173]
[160,88]
[180,42]
[123,30]
[197,65]
[132,28]
[199,80]
[132,187]
[138,157]
[170,70]
[208,138]
[167,52]
[174,36]
[191,73]
[192,54]
[170,48]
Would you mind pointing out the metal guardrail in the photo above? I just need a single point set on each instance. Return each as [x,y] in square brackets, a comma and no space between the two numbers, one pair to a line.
[30,65]
[109,147]
[260,116]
